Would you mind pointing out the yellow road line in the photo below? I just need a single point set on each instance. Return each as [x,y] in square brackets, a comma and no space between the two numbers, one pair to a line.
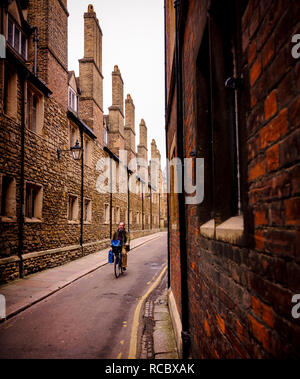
[135,323]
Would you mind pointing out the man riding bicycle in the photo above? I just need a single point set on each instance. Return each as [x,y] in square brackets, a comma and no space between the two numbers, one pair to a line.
[121,235]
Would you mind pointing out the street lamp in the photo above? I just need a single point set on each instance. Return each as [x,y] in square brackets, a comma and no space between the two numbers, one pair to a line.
[76,152]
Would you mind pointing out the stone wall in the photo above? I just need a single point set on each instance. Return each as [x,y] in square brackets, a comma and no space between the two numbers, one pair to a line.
[51,238]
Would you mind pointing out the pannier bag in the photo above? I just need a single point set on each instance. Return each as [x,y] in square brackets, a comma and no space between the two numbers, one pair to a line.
[110,256]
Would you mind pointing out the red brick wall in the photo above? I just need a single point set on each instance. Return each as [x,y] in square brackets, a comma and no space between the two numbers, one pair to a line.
[51,19]
[240,295]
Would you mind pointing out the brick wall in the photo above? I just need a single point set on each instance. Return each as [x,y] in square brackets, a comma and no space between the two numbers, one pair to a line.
[240,293]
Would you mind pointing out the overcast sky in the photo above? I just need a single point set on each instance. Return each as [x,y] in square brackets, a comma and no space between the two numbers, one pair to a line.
[133,39]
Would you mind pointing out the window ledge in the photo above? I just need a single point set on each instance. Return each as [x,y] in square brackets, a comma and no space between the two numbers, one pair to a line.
[87,222]
[71,222]
[33,220]
[231,230]
[208,229]
[8,219]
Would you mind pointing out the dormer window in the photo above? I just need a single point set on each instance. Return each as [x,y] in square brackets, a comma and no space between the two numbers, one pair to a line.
[16,38]
[72,99]
[105,130]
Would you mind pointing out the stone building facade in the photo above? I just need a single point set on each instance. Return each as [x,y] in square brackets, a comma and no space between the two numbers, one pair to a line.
[232,98]
[51,208]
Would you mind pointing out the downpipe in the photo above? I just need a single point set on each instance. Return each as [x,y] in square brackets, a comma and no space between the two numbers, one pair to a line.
[185,334]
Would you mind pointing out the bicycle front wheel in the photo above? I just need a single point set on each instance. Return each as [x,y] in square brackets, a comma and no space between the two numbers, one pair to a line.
[117,266]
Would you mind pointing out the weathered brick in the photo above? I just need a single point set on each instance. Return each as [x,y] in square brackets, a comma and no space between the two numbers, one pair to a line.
[271,105]
[251,52]
[260,332]
[268,51]
[273,158]
[258,169]
[255,71]
[260,217]
[289,149]
[274,129]
[292,211]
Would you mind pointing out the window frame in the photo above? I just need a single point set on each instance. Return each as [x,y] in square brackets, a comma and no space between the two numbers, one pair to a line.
[22,34]
[87,212]
[36,214]
[72,99]
[31,94]
[10,197]
[74,217]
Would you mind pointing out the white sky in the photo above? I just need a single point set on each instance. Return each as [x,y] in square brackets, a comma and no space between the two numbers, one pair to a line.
[133,39]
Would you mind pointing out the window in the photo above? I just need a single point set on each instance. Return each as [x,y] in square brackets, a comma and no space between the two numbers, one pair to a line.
[10,92]
[130,217]
[87,210]
[16,38]
[106,213]
[73,136]
[105,129]
[72,99]
[35,110]
[217,114]
[87,151]
[10,31]
[8,197]
[105,136]
[118,215]
[33,201]
[72,208]
[113,211]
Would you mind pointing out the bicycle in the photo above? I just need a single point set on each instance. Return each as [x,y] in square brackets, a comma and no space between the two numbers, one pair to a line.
[117,251]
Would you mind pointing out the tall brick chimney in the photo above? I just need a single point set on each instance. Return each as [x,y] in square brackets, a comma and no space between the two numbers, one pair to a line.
[90,75]
[51,19]
[117,89]
[142,154]
[155,165]
[129,129]
[116,115]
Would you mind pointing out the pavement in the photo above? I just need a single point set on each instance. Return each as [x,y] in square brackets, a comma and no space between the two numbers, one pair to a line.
[158,339]
[23,293]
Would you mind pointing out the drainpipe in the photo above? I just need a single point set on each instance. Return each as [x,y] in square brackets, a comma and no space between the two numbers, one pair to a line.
[81,195]
[166,131]
[128,201]
[35,40]
[23,77]
[210,27]
[110,200]
[159,210]
[181,196]
[142,206]
[151,208]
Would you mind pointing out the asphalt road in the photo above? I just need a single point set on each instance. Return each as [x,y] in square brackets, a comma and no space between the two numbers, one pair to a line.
[90,318]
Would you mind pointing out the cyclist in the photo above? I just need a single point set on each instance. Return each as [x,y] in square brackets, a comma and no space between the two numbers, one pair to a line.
[121,235]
